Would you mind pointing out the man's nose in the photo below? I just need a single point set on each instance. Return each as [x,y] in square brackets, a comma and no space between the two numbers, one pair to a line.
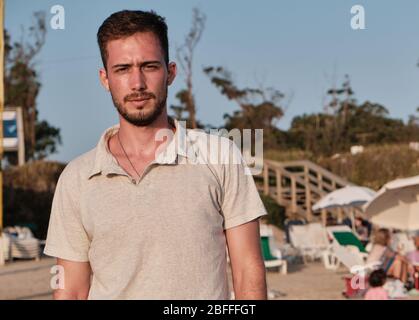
[138,80]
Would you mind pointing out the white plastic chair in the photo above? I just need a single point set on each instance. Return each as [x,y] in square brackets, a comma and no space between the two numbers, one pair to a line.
[312,241]
[23,245]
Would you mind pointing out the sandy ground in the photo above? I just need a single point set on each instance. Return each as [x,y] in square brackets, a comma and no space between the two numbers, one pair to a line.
[26,279]
[31,280]
[310,281]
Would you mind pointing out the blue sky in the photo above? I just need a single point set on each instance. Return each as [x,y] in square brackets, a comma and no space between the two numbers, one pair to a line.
[296,46]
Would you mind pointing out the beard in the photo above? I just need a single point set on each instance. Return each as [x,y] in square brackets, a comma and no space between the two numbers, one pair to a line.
[142,117]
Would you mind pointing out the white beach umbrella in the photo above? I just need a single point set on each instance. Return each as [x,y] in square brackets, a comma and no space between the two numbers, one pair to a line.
[349,196]
[396,205]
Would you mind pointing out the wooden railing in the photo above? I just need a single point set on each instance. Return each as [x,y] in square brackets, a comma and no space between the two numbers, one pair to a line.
[298,185]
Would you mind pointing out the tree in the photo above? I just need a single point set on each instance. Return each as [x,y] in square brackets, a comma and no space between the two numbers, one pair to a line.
[185,55]
[368,123]
[259,108]
[413,125]
[22,87]
[47,138]
[340,101]
[311,132]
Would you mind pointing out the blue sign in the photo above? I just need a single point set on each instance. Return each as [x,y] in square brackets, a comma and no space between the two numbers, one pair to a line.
[10,128]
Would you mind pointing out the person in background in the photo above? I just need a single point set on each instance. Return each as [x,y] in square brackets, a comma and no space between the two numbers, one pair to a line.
[362,230]
[376,290]
[331,220]
[413,256]
[391,262]
[413,260]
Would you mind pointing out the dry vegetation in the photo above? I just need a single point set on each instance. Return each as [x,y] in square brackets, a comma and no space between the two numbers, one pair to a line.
[28,193]
[372,168]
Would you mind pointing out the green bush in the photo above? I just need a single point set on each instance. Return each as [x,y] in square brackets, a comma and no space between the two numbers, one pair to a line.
[276,213]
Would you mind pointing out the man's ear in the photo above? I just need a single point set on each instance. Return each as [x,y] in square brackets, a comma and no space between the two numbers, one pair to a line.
[172,71]
[103,75]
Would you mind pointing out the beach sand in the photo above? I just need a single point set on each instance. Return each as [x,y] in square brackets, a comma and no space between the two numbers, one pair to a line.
[30,280]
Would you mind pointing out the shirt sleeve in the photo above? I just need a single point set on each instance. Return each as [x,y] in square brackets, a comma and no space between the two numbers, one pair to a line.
[241,201]
[67,239]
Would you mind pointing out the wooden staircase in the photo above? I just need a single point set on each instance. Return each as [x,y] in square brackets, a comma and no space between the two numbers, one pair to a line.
[297,185]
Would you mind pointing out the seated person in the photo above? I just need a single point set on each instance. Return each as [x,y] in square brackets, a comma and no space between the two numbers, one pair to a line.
[413,256]
[392,263]
[331,220]
[362,230]
[376,280]
[413,259]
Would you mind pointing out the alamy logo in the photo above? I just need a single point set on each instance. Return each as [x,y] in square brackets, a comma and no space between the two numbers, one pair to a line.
[216,147]
[57,280]
[359,279]
[358,20]
[57,21]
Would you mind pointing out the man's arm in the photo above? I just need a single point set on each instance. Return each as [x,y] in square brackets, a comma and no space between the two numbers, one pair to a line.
[76,280]
[246,260]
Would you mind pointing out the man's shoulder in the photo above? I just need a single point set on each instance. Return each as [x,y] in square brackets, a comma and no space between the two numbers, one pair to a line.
[220,154]
[80,167]
[209,142]
[201,135]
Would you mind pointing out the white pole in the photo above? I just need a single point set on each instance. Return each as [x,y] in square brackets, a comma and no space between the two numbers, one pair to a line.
[21,138]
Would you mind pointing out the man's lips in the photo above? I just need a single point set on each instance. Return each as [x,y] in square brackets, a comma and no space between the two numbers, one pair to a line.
[140,102]
[139,99]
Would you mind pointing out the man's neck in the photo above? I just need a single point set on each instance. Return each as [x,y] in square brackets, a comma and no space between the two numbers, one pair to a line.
[141,141]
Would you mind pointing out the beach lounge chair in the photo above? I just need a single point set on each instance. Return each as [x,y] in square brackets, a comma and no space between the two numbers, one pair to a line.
[272,256]
[312,241]
[346,237]
[25,248]
[349,250]
[23,245]
[300,240]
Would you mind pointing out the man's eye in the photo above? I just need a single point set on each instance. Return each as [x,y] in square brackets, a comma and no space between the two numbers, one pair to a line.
[121,70]
[151,67]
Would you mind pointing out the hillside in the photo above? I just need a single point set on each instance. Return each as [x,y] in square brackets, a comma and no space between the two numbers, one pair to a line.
[374,167]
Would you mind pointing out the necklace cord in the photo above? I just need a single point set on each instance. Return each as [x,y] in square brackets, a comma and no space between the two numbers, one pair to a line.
[126,155]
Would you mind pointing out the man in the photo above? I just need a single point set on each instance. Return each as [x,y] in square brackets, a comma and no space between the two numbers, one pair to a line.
[134,218]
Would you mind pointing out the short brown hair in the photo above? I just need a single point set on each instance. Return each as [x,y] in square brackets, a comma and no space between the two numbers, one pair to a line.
[382,237]
[126,23]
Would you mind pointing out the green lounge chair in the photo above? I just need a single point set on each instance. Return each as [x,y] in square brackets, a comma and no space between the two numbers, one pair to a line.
[272,258]
[349,250]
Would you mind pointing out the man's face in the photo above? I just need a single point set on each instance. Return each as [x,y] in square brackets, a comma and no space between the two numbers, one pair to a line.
[137,77]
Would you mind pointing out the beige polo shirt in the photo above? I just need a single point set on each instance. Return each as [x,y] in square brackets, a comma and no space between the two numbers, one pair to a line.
[158,238]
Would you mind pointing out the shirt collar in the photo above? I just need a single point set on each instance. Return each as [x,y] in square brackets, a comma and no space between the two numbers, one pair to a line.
[106,163]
